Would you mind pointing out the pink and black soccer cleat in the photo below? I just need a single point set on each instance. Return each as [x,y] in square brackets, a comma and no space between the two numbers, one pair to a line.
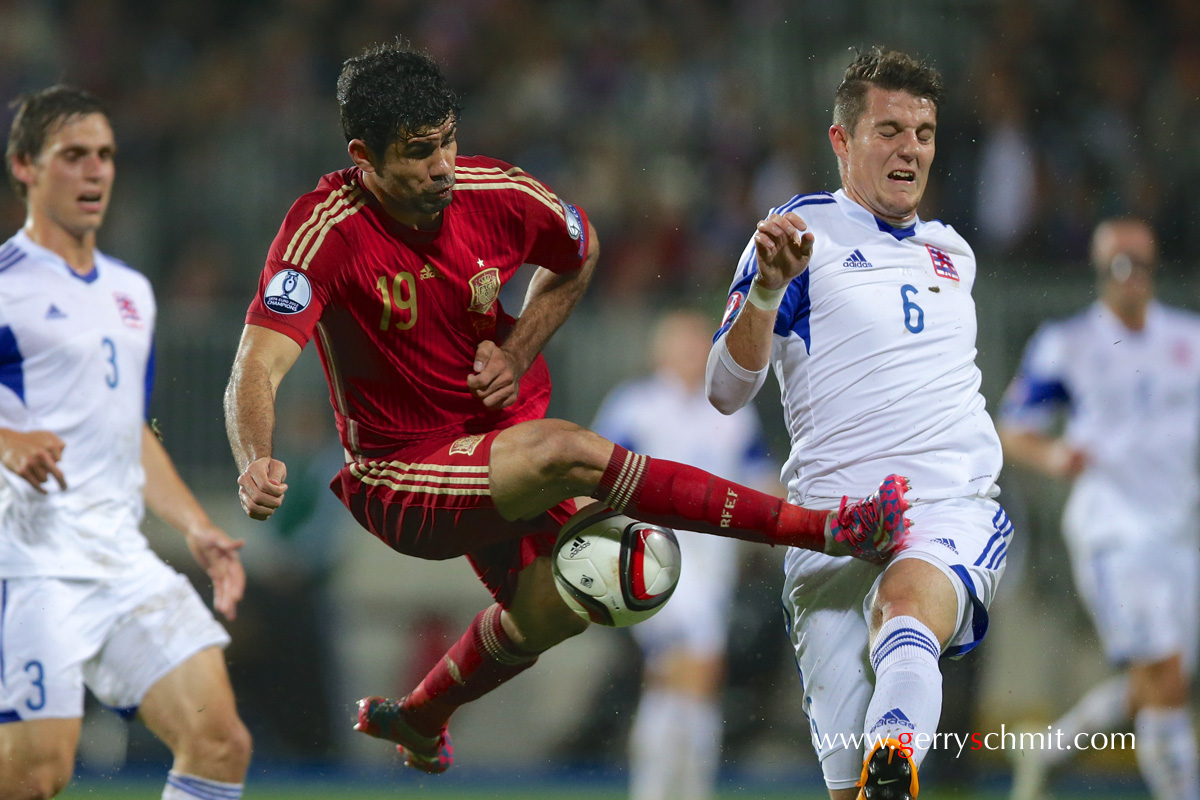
[384,719]
[870,529]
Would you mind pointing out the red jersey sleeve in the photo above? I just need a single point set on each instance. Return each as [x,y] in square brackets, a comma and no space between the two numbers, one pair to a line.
[556,232]
[303,265]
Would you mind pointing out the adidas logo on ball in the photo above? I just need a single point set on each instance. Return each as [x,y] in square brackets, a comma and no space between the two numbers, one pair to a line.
[612,569]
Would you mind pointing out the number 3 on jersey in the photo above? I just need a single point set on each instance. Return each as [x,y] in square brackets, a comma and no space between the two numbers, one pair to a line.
[401,295]
[914,315]
[111,376]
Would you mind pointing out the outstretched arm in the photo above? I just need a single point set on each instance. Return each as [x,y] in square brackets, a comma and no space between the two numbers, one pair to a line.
[548,303]
[783,246]
[264,356]
[737,364]
[171,500]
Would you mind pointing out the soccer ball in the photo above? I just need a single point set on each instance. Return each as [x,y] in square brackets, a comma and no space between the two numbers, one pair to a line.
[613,569]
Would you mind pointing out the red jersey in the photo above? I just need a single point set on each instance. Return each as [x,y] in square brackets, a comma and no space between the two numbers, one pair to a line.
[398,313]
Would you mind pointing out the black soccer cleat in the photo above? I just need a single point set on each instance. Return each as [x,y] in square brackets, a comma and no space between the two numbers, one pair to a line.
[889,773]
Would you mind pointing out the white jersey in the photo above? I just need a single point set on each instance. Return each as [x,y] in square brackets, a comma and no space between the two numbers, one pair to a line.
[874,348]
[662,419]
[1132,400]
[76,359]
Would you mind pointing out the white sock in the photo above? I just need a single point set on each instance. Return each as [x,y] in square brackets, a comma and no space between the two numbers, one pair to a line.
[653,746]
[1166,752]
[674,747]
[908,686]
[700,753]
[1104,708]
[189,787]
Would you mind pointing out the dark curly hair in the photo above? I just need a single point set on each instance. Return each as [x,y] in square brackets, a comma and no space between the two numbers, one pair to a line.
[390,90]
[887,69]
[38,115]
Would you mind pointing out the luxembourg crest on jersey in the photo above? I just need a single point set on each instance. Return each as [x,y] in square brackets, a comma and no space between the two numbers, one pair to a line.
[942,264]
[127,310]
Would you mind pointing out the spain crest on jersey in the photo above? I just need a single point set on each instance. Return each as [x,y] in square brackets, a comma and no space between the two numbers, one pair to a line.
[485,288]
[942,264]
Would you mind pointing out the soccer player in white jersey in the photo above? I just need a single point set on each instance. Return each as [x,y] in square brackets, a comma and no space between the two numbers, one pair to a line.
[675,742]
[865,312]
[1126,373]
[83,600]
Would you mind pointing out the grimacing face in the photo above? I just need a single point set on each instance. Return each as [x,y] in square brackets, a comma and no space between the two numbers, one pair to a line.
[415,182]
[70,181]
[885,163]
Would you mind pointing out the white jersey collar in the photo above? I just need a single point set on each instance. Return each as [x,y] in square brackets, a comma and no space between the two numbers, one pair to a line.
[858,213]
[1115,327]
[48,256]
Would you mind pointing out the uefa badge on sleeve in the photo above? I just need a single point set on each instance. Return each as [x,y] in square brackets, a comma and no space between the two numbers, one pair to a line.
[289,292]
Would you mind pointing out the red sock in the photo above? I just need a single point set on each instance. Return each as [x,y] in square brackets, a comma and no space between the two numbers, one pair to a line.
[678,496]
[481,660]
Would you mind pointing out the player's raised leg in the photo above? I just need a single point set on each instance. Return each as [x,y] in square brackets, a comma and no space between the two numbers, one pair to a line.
[192,710]
[539,463]
[500,644]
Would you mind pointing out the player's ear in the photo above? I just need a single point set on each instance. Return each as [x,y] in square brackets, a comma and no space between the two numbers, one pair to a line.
[839,140]
[360,155]
[22,169]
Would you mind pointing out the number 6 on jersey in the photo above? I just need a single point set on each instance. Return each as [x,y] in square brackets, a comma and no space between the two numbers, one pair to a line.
[914,325]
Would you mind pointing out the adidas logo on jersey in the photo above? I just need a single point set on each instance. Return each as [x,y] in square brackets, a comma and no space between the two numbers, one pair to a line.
[856,261]
[947,543]
[54,312]
[428,271]
[893,717]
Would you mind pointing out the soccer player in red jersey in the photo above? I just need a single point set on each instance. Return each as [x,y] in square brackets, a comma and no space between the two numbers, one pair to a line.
[395,265]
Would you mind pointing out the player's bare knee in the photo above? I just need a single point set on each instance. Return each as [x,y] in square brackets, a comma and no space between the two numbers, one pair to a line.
[564,451]
[1162,684]
[222,747]
[45,779]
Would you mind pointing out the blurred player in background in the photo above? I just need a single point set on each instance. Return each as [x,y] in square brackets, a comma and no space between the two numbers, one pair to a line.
[865,313]
[395,264]
[1126,371]
[675,744]
[84,601]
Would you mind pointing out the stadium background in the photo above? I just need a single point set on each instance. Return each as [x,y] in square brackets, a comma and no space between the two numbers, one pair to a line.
[676,124]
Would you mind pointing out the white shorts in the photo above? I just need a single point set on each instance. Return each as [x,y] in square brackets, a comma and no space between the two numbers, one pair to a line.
[118,637]
[1144,602]
[696,618]
[827,601]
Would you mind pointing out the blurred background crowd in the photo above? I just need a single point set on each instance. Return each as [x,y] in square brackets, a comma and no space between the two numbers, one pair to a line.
[676,124]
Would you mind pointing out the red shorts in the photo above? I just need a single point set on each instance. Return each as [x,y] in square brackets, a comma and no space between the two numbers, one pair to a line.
[433,500]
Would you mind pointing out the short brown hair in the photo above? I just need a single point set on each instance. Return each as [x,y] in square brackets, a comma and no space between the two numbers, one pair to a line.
[888,69]
[38,115]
